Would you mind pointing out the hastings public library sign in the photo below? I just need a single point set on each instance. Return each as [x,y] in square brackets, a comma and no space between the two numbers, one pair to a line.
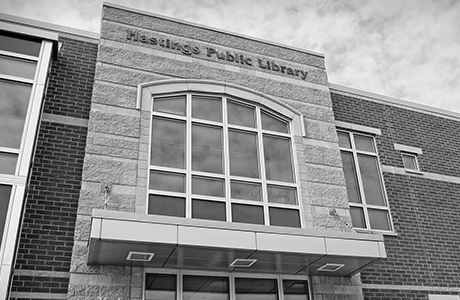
[228,56]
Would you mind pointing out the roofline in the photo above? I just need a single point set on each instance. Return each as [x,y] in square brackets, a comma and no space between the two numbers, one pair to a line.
[394,101]
[211,28]
[49,26]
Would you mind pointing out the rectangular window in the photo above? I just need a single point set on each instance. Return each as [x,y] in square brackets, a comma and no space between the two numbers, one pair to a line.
[410,162]
[5,193]
[366,193]
[187,285]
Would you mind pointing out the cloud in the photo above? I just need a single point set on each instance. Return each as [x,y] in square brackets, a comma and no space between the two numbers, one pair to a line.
[405,49]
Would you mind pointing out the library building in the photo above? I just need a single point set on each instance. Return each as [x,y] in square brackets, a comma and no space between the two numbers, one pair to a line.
[165,160]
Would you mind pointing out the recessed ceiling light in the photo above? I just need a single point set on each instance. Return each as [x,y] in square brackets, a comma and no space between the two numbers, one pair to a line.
[331,267]
[243,263]
[140,256]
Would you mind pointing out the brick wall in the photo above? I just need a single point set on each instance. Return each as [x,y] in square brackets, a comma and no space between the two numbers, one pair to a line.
[426,212]
[47,235]
[438,137]
[71,80]
[377,294]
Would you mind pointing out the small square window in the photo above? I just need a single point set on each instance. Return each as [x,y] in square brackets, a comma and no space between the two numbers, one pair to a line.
[410,162]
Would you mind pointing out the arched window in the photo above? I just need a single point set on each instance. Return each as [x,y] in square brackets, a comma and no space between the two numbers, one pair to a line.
[219,156]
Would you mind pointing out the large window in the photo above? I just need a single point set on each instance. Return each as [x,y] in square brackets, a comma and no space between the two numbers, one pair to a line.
[25,57]
[221,158]
[18,62]
[366,194]
[191,286]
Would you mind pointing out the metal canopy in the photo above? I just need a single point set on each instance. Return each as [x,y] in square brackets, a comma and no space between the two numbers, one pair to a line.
[130,239]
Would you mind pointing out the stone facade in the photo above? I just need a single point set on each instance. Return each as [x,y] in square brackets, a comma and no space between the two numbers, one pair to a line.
[118,132]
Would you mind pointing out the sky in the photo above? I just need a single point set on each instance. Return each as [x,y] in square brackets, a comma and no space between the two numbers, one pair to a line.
[407,49]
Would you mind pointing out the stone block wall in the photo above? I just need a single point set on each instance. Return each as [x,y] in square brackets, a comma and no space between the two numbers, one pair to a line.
[118,131]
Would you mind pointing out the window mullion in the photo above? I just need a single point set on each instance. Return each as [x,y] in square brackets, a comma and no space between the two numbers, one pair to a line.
[360,181]
[262,165]
[231,287]
[226,154]
[188,158]
[16,79]
[180,285]
[19,55]
[280,287]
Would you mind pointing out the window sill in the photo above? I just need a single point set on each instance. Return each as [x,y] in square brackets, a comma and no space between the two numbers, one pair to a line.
[366,231]
[415,172]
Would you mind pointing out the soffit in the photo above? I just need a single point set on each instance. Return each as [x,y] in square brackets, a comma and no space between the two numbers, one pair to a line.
[210,245]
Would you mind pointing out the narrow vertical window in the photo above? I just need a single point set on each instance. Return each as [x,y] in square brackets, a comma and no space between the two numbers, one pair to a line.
[366,193]
[24,66]
[5,193]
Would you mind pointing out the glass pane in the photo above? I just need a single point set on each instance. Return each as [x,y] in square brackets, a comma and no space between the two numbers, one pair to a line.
[208,186]
[240,114]
[284,195]
[19,45]
[357,217]
[171,105]
[370,176]
[207,108]
[269,122]
[247,214]
[168,143]
[209,210]
[207,149]
[244,160]
[284,217]
[364,143]
[17,67]
[166,205]
[8,163]
[245,191]
[409,162]
[379,219]
[256,289]
[5,193]
[167,181]
[350,177]
[344,139]
[295,290]
[14,100]
[160,287]
[205,288]
[278,161]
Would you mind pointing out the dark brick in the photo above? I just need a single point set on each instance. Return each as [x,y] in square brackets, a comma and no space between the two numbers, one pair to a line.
[426,213]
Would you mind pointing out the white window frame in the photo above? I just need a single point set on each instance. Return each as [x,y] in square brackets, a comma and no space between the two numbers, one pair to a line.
[412,152]
[18,180]
[231,276]
[263,181]
[363,203]
[147,91]
[415,160]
